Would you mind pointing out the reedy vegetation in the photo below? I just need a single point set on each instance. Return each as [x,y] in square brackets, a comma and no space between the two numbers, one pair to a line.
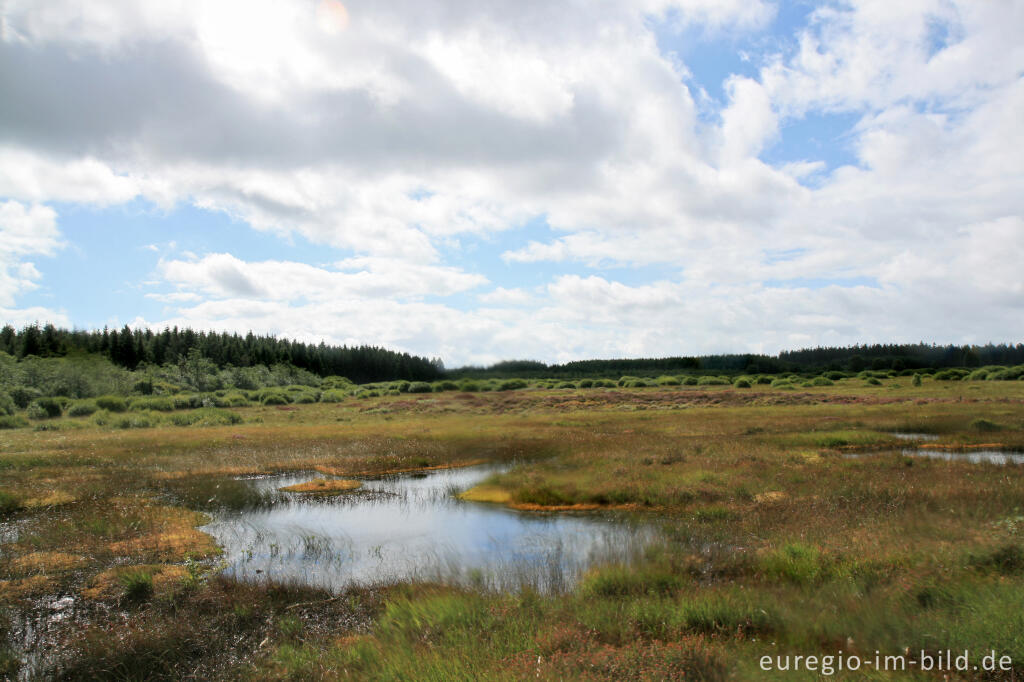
[776,540]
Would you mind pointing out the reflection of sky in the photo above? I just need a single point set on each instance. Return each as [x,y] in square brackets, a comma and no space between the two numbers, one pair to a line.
[406,527]
[975,456]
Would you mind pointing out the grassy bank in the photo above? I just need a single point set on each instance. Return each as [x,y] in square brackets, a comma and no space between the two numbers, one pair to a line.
[793,523]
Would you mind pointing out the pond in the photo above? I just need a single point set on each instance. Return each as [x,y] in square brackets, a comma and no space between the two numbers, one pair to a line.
[975,456]
[412,527]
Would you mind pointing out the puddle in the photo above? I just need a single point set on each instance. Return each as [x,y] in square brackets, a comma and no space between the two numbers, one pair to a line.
[411,527]
[905,435]
[975,456]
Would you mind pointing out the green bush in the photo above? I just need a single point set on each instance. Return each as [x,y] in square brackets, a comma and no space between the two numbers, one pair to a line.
[111,403]
[834,376]
[916,381]
[277,398]
[741,383]
[985,426]
[821,381]
[446,385]
[419,387]
[566,384]
[8,503]
[333,395]
[586,383]
[764,380]
[23,395]
[776,383]
[626,379]
[304,398]
[336,382]
[872,381]
[160,404]
[7,405]
[187,401]
[667,381]
[44,408]
[12,422]
[713,381]
[231,400]
[512,385]
[137,585]
[206,416]
[469,386]
[82,408]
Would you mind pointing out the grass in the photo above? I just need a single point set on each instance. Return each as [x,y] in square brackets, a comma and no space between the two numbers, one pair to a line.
[323,486]
[772,532]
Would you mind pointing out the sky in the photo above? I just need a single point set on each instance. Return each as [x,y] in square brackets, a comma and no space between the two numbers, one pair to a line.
[480,180]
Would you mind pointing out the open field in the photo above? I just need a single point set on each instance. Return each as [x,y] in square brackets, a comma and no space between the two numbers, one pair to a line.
[792,520]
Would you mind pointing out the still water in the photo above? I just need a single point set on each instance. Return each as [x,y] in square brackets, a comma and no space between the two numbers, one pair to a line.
[411,527]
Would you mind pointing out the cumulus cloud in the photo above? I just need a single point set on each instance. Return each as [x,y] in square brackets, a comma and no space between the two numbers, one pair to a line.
[389,131]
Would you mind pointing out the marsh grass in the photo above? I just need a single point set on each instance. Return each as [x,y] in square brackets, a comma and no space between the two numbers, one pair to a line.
[771,534]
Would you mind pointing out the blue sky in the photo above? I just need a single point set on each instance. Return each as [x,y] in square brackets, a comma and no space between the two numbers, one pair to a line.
[484,182]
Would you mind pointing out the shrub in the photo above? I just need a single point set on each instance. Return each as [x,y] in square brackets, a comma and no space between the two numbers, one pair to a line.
[274,399]
[586,383]
[137,584]
[667,381]
[8,503]
[978,375]
[12,422]
[776,383]
[872,381]
[333,395]
[448,385]
[231,400]
[143,387]
[834,376]
[44,408]
[187,401]
[566,384]
[469,386]
[419,387]
[916,381]
[304,398]
[160,404]
[763,379]
[626,379]
[111,403]
[985,426]
[741,383]
[23,395]
[821,381]
[512,385]
[336,382]
[401,386]
[7,406]
[713,381]
[207,416]
[82,408]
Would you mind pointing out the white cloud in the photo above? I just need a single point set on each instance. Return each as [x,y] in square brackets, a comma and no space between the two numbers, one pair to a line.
[393,130]
[24,231]
[221,275]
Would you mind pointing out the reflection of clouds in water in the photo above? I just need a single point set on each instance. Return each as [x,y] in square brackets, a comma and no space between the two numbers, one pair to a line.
[975,456]
[410,527]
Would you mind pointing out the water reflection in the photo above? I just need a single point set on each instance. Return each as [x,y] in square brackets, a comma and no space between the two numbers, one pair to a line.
[411,527]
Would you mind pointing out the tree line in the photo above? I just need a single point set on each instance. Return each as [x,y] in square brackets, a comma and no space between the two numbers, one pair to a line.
[130,348]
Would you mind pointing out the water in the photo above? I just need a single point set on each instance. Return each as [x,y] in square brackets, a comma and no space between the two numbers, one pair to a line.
[975,456]
[411,527]
[914,436]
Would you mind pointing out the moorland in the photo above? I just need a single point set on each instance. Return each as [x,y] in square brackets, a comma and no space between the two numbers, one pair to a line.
[862,512]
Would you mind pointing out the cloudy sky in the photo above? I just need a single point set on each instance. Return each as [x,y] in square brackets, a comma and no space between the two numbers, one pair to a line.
[550,179]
